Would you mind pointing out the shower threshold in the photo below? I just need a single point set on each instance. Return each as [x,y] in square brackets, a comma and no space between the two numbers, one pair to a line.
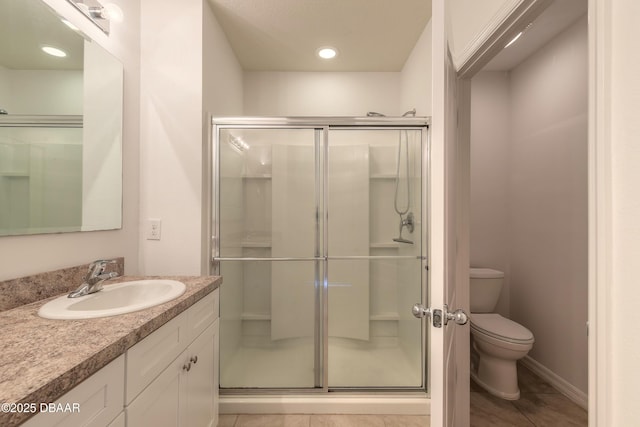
[405,403]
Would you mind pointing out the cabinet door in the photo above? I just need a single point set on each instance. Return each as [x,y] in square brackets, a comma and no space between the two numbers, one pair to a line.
[95,402]
[202,380]
[163,402]
[147,359]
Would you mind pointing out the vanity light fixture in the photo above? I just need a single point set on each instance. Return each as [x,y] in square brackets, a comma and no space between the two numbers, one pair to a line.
[109,12]
[99,14]
[54,51]
[327,52]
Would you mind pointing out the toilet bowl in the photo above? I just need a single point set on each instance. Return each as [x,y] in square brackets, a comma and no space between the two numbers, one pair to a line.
[497,342]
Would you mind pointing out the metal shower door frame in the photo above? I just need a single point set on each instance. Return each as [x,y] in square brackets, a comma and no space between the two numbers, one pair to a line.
[321,127]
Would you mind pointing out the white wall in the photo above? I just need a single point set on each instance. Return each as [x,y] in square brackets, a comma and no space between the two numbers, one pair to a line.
[171,134]
[548,202]
[24,255]
[529,196]
[622,90]
[321,93]
[187,70]
[222,76]
[415,78]
[490,119]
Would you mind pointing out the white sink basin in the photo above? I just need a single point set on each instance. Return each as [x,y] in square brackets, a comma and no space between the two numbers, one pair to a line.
[112,300]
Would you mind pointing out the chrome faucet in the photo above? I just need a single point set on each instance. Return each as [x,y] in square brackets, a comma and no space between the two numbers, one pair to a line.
[95,278]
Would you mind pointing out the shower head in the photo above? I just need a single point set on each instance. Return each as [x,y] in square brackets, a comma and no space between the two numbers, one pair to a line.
[402,240]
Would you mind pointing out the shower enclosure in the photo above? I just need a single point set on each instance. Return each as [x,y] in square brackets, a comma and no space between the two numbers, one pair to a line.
[319,230]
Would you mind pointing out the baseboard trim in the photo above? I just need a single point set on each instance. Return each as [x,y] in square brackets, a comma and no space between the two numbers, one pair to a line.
[563,386]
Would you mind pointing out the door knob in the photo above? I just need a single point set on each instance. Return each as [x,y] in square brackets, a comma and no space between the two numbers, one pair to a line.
[438,317]
[420,310]
[458,316]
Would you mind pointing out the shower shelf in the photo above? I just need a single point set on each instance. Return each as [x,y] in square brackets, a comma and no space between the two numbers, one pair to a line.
[381,176]
[15,174]
[384,245]
[247,244]
[254,316]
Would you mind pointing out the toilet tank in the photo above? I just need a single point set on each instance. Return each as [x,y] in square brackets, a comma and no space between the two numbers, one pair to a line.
[484,287]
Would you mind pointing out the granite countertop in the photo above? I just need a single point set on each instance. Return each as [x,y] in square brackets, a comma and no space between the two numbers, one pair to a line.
[42,359]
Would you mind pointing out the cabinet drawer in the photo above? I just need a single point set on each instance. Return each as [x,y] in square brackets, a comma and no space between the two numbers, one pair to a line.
[147,359]
[202,314]
[98,400]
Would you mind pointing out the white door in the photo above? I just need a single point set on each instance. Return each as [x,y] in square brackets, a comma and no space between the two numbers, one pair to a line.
[449,279]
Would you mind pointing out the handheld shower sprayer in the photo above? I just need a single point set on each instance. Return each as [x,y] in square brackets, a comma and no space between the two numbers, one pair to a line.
[408,220]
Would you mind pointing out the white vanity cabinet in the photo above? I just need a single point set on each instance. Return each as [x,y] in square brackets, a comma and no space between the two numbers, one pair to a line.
[170,378]
[96,402]
[172,375]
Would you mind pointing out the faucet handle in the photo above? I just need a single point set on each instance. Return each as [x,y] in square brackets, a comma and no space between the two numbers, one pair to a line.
[97,267]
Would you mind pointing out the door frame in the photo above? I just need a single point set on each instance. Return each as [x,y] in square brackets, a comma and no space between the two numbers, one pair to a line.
[507,22]
[600,246]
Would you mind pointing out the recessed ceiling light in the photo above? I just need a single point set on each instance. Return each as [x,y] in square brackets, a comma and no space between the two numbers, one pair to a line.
[327,52]
[54,51]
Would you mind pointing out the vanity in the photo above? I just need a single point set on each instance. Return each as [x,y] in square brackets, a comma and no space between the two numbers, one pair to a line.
[157,366]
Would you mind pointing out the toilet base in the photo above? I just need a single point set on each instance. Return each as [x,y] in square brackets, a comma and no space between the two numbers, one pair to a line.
[497,371]
[493,391]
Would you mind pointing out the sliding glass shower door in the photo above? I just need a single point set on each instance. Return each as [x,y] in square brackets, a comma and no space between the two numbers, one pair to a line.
[318,235]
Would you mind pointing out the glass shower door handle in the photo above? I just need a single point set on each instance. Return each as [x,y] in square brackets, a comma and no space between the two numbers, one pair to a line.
[420,310]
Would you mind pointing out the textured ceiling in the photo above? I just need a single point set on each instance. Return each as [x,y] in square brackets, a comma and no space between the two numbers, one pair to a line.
[283,35]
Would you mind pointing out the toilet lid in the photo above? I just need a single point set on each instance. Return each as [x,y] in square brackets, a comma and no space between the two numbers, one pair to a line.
[500,327]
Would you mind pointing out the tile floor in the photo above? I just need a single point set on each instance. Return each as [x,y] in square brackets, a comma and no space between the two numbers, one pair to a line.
[539,405]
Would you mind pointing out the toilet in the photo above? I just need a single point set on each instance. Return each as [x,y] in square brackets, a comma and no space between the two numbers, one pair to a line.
[496,342]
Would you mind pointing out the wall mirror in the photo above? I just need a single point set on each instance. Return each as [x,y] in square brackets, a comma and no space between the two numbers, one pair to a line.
[60,125]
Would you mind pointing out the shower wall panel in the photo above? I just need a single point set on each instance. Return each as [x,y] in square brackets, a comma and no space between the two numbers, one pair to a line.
[293,235]
[348,236]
